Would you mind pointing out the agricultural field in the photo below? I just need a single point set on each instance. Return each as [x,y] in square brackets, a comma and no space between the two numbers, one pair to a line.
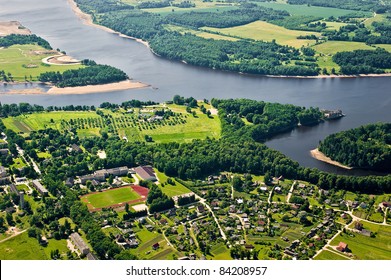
[182,126]
[264,31]
[368,248]
[23,61]
[203,34]
[332,47]
[220,252]
[328,255]
[110,197]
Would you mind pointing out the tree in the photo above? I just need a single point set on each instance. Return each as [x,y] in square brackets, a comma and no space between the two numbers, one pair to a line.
[237,183]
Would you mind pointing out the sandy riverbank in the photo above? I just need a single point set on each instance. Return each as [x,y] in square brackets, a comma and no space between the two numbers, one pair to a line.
[13,27]
[87,20]
[98,88]
[322,157]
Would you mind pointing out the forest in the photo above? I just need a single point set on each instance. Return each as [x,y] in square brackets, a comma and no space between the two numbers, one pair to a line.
[16,39]
[363,61]
[364,147]
[93,75]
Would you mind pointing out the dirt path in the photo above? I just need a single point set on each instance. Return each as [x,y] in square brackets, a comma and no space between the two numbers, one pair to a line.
[16,233]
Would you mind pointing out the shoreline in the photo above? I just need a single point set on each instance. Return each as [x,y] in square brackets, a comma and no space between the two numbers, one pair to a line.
[87,20]
[315,153]
[124,85]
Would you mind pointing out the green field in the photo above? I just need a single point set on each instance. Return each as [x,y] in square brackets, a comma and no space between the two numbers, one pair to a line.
[328,255]
[384,46]
[22,247]
[261,30]
[21,62]
[332,47]
[110,197]
[170,190]
[203,34]
[368,248]
[304,10]
[220,252]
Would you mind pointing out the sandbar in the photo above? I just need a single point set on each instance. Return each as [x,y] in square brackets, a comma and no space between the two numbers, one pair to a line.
[128,84]
[13,27]
[322,157]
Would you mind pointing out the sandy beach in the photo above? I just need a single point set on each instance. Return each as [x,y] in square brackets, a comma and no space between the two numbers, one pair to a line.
[13,27]
[322,157]
[128,84]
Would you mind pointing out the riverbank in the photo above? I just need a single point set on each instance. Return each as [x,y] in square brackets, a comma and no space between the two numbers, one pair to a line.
[124,85]
[87,20]
[322,157]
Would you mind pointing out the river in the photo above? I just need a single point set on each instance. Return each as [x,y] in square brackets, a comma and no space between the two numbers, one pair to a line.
[363,100]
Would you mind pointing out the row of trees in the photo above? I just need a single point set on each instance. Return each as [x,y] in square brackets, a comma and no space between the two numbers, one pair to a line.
[93,75]
[367,5]
[16,39]
[365,147]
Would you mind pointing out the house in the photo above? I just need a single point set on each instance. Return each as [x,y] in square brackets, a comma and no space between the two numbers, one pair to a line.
[69,182]
[4,152]
[79,243]
[249,246]
[358,226]
[155,246]
[200,209]
[149,227]
[146,173]
[3,172]
[75,148]
[41,189]
[278,189]
[342,247]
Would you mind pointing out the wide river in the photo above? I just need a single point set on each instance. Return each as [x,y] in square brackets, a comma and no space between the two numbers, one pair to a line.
[363,100]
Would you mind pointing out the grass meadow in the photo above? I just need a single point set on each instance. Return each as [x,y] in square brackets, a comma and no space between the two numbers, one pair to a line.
[17,58]
[170,190]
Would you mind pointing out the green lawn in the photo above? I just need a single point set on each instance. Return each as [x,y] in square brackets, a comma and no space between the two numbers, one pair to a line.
[368,248]
[264,31]
[171,190]
[22,187]
[110,197]
[384,46]
[13,58]
[220,252]
[333,25]
[328,255]
[18,163]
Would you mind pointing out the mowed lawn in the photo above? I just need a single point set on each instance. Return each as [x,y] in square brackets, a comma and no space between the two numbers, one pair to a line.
[264,31]
[110,197]
[37,121]
[168,189]
[22,247]
[14,57]
[369,248]
[198,127]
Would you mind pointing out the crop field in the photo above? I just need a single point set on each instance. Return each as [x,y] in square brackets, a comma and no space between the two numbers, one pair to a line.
[181,126]
[202,34]
[369,248]
[24,60]
[332,47]
[111,197]
[220,252]
[264,31]
[328,255]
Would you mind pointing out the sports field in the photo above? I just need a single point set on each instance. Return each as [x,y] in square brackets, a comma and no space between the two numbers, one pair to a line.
[264,31]
[25,60]
[112,198]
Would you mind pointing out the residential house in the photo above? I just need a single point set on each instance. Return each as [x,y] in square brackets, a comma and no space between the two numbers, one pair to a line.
[343,247]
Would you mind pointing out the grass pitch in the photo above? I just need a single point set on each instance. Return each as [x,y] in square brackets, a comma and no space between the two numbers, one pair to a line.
[110,197]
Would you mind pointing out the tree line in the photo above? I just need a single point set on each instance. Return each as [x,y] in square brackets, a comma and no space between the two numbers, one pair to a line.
[93,75]
[17,39]
[367,5]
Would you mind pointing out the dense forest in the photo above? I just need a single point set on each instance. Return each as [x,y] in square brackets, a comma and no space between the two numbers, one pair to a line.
[377,6]
[363,61]
[15,39]
[93,75]
[364,147]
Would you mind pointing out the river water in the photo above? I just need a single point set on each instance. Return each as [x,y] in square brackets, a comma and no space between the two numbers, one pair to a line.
[363,100]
